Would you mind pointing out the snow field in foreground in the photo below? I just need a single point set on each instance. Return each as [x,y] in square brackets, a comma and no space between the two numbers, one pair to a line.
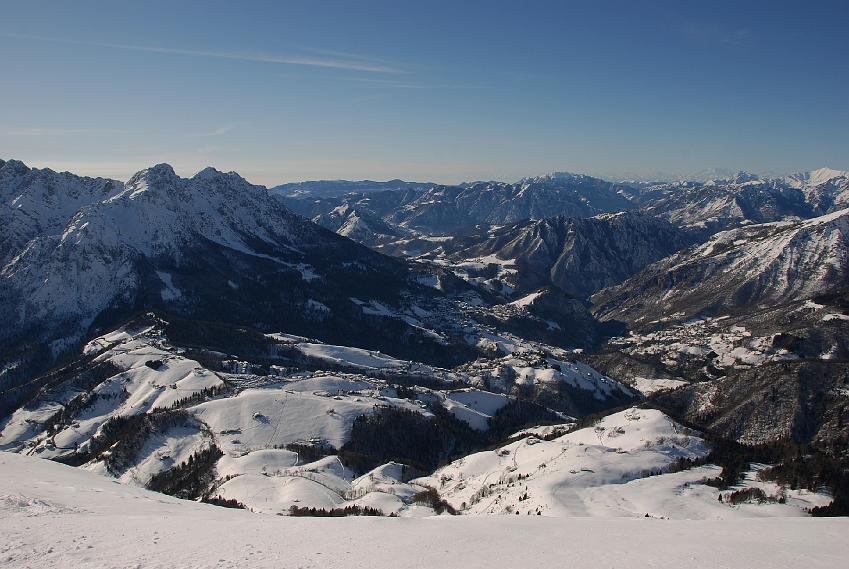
[56,516]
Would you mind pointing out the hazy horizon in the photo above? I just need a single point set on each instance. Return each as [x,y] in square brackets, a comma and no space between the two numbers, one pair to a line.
[443,92]
[659,176]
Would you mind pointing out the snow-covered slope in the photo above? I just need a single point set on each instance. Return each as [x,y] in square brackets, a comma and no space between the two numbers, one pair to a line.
[210,247]
[724,204]
[440,209]
[579,256]
[138,408]
[361,226]
[147,377]
[40,201]
[610,469]
[739,269]
[102,524]
[140,371]
[325,483]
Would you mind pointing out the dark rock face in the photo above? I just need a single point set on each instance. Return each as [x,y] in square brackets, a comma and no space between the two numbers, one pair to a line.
[580,255]
[802,401]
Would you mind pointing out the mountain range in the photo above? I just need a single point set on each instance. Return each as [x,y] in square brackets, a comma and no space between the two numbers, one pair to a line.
[412,348]
[209,247]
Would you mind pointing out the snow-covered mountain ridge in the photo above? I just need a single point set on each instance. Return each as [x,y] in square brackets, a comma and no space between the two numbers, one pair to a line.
[577,255]
[745,198]
[454,208]
[737,269]
[40,201]
[290,366]
[714,202]
[212,246]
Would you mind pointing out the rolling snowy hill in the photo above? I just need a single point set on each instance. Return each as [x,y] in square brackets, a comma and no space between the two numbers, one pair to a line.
[195,337]
[613,468]
[55,516]
[285,421]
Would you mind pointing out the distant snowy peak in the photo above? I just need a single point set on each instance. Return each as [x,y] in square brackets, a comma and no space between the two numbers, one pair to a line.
[740,177]
[746,198]
[825,189]
[334,188]
[720,205]
[816,177]
[13,168]
[360,225]
[157,173]
[707,174]
[558,176]
[446,209]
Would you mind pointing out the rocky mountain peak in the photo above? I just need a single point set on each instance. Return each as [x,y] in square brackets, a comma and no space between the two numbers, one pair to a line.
[13,168]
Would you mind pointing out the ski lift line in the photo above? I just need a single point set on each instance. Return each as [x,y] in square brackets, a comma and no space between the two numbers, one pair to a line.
[277,425]
[314,479]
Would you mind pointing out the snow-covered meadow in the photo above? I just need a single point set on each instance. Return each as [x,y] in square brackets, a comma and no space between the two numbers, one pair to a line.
[56,516]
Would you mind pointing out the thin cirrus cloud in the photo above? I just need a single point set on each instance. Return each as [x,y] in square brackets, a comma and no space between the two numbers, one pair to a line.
[410,84]
[49,131]
[220,131]
[726,36]
[338,61]
[40,131]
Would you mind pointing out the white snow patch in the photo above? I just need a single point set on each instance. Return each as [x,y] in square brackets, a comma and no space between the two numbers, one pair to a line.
[54,516]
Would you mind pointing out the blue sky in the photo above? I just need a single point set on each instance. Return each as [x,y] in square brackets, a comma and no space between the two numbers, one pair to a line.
[440,91]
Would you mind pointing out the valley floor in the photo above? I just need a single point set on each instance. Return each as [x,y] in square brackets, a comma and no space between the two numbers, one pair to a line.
[56,516]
